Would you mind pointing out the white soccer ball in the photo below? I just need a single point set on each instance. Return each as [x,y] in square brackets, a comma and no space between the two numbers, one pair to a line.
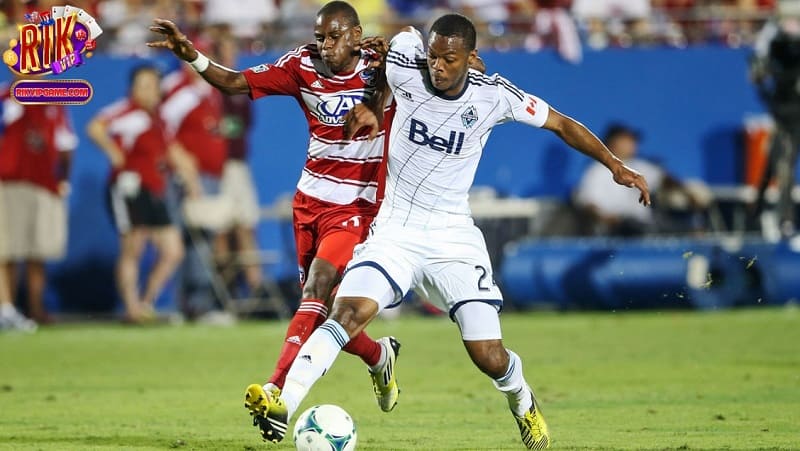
[325,428]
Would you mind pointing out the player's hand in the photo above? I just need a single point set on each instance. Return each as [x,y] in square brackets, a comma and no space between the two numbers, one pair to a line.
[174,40]
[358,118]
[626,176]
[379,45]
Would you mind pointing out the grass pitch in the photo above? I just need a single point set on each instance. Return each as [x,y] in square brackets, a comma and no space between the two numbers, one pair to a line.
[728,380]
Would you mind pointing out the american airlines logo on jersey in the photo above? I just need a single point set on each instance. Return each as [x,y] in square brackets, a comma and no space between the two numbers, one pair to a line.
[418,134]
[331,109]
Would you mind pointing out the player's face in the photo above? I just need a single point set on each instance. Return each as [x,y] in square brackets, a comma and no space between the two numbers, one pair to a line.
[448,62]
[146,89]
[337,40]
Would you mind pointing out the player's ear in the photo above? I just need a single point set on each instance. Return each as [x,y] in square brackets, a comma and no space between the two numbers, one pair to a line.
[357,32]
[472,57]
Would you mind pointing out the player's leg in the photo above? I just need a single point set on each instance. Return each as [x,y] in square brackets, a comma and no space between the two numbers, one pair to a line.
[334,252]
[336,249]
[464,286]
[311,312]
[480,331]
[363,293]
[330,257]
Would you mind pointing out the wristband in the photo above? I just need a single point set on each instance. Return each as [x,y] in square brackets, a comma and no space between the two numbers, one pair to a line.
[200,64]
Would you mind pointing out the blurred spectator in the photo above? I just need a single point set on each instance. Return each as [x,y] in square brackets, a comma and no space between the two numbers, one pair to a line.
[776,73]
[35,156]
[613,22]
[296,19]
[613,209]
[127,22]
[553,26]
[493,18]
[132,135]
[192,112]
[243,18]
[374,14]
[10,317]
[237,181]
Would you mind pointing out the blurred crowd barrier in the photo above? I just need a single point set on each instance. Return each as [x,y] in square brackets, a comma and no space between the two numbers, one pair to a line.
[651,273]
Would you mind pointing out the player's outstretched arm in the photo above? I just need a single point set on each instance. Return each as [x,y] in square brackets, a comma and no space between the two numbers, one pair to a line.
[229,81]
[579,137]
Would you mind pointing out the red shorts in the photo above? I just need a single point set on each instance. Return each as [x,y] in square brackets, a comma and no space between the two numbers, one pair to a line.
[328,231]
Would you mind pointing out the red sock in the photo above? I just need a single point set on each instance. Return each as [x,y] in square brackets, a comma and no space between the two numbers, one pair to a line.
[310,314]
[368,349]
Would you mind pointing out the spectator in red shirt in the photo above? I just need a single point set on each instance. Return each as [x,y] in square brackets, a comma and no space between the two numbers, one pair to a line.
[132,135]
[37,144]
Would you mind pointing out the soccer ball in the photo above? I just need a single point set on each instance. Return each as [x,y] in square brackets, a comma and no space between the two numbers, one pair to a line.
[325,428]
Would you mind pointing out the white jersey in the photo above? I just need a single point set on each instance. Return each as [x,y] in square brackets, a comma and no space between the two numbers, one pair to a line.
[436,141]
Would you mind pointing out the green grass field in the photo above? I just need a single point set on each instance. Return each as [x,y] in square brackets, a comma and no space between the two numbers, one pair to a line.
[607,381]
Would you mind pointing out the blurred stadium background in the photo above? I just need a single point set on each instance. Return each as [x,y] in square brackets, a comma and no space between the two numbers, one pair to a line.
[675,75]
[699,85]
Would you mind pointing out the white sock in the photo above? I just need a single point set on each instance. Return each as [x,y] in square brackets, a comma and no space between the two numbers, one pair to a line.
[312,362]
[513,385]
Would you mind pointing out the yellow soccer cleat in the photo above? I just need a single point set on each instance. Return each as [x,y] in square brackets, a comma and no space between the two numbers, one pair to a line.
[533,428]
[384,381]
[268,411]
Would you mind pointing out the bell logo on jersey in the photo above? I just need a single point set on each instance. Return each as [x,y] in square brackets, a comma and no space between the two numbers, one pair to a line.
[331,109]
[418,134]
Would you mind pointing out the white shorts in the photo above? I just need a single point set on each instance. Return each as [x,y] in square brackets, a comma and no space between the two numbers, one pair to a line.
[450,267]
[35,223]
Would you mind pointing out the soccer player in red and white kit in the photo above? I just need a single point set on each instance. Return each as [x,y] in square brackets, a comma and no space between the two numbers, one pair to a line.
[35,155]
[337,193]
[131,133]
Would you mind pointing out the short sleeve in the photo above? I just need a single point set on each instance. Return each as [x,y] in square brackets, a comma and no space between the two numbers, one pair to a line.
[406,53]
[519,106]
[271,79]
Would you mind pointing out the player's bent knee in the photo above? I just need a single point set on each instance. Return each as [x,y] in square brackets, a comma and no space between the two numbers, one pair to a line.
[480,329]
[322,277]
[370,283]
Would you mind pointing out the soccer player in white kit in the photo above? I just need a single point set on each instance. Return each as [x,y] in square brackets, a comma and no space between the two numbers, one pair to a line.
[424,237]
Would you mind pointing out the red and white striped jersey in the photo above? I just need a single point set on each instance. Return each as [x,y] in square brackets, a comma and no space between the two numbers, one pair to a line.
[337,170]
